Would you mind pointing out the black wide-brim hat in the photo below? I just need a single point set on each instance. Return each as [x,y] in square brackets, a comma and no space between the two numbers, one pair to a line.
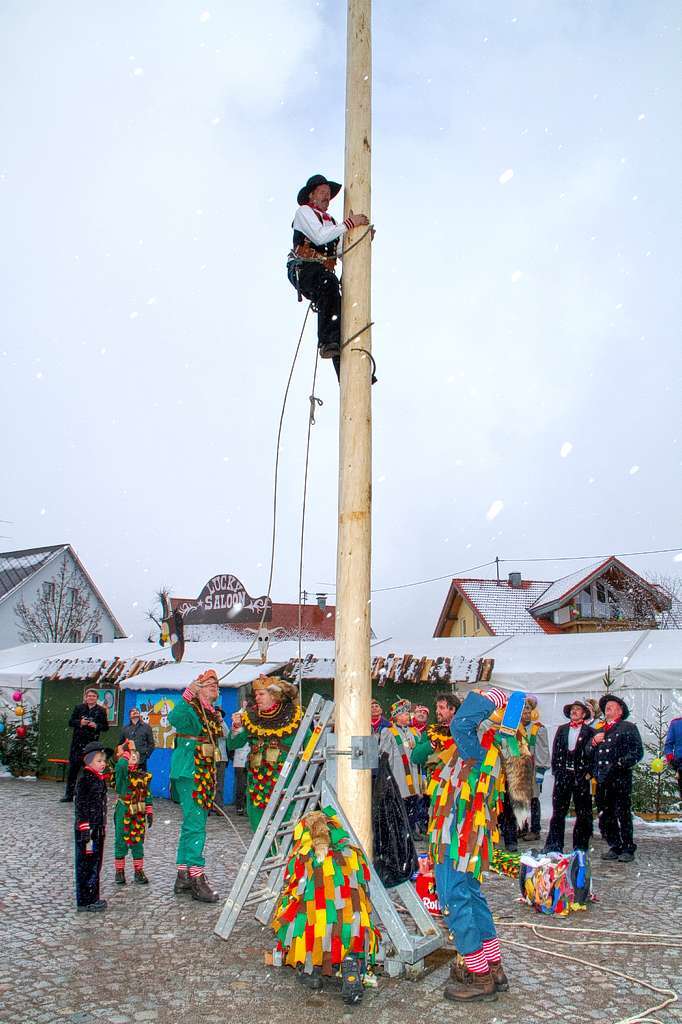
[94,748]
[603,701]
[313,183]
[581,704]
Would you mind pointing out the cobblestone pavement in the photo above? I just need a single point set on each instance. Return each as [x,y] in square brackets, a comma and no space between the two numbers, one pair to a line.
[153,957]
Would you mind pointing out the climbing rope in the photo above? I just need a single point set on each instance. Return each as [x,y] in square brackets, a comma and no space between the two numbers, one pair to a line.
[274,501]
[314,402]
[644,1017]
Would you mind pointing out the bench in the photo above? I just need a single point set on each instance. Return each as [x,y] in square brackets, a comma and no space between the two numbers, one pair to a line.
[61,762]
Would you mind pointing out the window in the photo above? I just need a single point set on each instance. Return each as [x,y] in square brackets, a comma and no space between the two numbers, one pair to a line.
[71,595]
[48,590]
[601,593]
[463,628]
[477,623]
[95,638]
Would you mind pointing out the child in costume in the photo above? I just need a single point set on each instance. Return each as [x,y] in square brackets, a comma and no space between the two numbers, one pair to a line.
[268,724]
[462,833]
[198,726]
[133,813]
[90,805]
[323,920]
[398,741]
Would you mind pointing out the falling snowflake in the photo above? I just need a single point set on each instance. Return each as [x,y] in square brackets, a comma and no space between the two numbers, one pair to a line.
[506,176]
[633,470]
[516,276]
[494,510]
[205,16]
[566,449]
[138,72]
[134,315]
[678,557]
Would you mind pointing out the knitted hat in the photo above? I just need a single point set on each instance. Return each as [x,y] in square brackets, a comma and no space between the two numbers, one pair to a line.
[209,676]
[580,704]
[603,701]
[400,707]
[313,183]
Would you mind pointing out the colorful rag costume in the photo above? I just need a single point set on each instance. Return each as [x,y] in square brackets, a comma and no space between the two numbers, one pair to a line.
[465,803]
[269,734]
[324,911]
[193,774]
[538,744]
[133,811]
[398,742]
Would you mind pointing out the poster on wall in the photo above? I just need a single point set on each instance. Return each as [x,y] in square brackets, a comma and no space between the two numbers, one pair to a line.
[154,710]
[108,698]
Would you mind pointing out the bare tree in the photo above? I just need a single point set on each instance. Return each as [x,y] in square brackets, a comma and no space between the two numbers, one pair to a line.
[671,587]
[61,612]
[158,612]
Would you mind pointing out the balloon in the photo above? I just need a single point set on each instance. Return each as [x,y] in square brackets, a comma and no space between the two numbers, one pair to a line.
[2,727]
[657,765]
[21,731]
[19,711]
[16,696]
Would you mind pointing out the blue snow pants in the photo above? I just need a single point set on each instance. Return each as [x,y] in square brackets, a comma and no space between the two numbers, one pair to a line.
[464,907]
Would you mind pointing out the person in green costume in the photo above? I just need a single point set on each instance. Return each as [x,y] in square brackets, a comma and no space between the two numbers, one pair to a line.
[133,813]
[269,724]
[198,726]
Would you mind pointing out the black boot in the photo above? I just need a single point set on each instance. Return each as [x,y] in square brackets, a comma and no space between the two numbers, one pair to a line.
[182,882]
[202,891]
[140,877]
[313,981]
[120,876]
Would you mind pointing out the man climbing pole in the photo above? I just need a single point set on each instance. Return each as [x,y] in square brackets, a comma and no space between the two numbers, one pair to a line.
[312,261]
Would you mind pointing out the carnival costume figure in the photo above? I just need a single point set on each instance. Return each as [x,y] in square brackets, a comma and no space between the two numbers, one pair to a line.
[618,748]
[198,726]
[133,814]
[268,724]
[323,920]
[572,761]
[398,741]
[90,826]
[429,752]
[463,832]
[538,744]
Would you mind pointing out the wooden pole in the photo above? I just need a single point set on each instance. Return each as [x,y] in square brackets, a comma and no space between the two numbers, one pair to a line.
[352,691]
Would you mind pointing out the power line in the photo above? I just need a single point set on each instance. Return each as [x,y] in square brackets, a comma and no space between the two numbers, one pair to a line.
[483,565]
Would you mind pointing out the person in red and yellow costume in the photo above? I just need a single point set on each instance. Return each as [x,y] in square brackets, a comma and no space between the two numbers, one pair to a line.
[397,742]
[268,724]
[134,813]
[198,726]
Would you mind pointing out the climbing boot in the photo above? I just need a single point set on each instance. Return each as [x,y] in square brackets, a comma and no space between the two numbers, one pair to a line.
[120,876]
[499,977]
[202,891]
[472,988]
[351,981]
[182,882]
[313,982]
[329,349]
[626,857]
[610,854]
[140,877]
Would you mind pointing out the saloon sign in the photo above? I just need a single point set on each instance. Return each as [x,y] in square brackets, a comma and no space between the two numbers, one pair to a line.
[224,600]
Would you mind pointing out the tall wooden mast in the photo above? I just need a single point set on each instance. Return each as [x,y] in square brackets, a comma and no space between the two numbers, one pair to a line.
[353,570]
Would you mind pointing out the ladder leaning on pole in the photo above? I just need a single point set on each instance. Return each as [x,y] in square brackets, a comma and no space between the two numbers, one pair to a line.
[303,785]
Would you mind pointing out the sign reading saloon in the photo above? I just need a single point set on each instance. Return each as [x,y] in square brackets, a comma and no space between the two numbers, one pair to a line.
[224,600]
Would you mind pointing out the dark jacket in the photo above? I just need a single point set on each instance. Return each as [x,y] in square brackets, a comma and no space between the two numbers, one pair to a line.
[580,762]
[143,738]
[82,735]
[90,800]
[621,750]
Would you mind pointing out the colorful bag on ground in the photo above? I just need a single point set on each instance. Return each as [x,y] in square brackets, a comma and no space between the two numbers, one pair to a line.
[555,883]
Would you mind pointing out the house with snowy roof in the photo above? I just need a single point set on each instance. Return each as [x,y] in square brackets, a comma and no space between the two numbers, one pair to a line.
[608,595]
[62,602]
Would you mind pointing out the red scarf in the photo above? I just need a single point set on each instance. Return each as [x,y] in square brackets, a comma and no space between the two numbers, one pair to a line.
[320,213]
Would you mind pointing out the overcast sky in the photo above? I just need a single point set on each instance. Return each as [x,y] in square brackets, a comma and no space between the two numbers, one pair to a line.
[526,296]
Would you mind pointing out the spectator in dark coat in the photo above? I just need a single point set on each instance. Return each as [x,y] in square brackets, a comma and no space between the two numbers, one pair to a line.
[88,720]
[618,748]
[90,826]
[672,750]
[572,757]
[142,736]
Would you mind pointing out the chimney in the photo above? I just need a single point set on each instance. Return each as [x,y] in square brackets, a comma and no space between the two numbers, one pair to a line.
[321,601]
[515,580]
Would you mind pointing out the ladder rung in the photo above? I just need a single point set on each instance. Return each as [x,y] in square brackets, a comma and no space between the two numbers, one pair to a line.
[300,794]
[260,897]
[286,830]
[274,862]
